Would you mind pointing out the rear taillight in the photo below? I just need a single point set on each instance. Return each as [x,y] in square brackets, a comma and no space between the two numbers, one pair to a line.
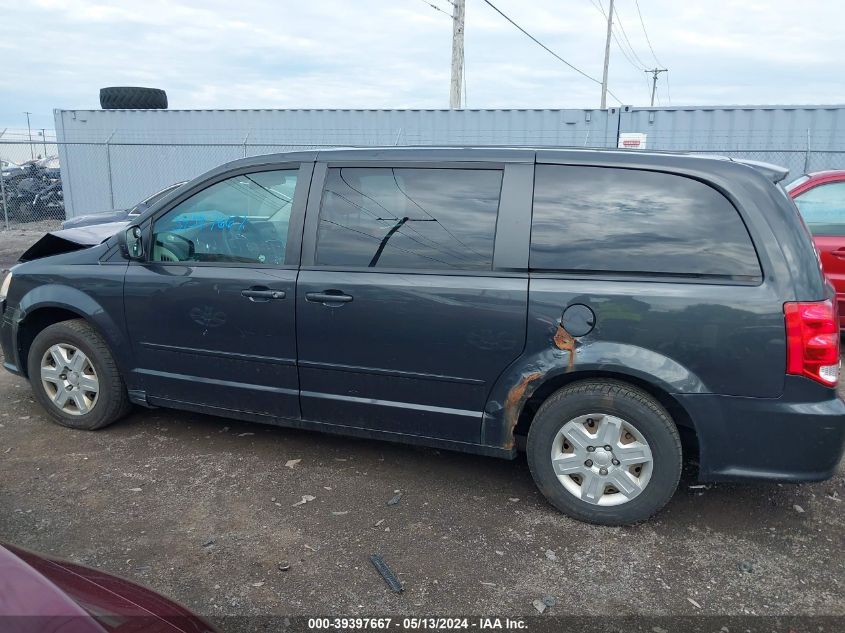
[812,340]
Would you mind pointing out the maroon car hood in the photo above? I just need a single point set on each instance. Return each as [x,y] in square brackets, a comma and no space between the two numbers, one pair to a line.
[28,601]
[51,596]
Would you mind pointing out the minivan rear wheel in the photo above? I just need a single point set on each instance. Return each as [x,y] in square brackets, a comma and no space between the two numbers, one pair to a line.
[604,452]
[74,376]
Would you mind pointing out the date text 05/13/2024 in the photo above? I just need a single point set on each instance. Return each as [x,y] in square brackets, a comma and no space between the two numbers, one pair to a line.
[416,624]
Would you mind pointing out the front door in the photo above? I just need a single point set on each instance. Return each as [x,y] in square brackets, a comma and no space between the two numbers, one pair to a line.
[403,323]
[211,313]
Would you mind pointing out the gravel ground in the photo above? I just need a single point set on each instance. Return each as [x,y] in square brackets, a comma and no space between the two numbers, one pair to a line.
[206,510]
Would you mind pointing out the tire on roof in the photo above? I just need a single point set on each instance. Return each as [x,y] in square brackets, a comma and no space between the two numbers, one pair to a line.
[132,98]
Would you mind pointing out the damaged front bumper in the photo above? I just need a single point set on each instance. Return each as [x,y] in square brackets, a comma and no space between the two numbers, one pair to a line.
[8,338]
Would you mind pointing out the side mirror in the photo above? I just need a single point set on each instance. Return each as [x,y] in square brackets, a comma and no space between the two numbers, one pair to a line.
[134,242]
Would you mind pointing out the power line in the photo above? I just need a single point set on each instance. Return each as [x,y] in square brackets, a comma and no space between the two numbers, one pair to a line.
[625,53]
[642,23]
[668,94]
[621,48]
[655,71]
[546,48]
[639,64]
[625,35]
[439,223]
[376,217]
[436,8]
[457,78]
[389,212]
[599,8]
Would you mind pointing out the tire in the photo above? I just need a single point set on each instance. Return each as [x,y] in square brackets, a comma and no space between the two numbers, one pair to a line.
[132,98]
[646,429]
[111,401]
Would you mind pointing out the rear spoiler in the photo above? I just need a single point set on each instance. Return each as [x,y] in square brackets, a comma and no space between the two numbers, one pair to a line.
[775,173]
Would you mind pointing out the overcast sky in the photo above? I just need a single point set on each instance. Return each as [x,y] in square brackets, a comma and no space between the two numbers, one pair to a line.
[396,53]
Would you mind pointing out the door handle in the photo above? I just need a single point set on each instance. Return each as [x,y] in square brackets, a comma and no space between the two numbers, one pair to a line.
[839,252]
[262,294]
[328,298]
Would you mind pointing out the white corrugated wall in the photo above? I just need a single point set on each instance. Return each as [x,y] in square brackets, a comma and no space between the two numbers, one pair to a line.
[113,158]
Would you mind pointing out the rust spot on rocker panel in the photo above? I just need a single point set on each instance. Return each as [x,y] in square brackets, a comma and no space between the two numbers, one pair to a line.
[521,391]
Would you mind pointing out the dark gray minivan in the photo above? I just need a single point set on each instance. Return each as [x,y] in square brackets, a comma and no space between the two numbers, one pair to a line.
[607,311]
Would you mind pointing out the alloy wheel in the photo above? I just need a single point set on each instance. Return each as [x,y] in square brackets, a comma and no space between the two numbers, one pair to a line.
[69,379]
[602,459]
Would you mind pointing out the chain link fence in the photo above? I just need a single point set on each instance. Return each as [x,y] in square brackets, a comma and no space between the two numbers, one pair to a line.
[30,180]
[71,179]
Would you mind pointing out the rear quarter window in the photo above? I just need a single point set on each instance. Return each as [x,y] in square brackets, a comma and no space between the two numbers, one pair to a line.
[599,219]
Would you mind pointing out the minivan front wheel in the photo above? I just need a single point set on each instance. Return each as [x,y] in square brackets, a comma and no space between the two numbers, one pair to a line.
[74,376]
[69,378]
[604,452]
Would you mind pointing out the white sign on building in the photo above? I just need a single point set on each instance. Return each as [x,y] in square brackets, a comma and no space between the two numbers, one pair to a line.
[632,140]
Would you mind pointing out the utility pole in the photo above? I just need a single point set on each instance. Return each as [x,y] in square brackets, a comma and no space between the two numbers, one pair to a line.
[654,72]
[458,7]
[606,56]
[29,129]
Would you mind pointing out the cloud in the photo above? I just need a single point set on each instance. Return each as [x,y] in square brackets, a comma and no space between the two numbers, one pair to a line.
[395,54]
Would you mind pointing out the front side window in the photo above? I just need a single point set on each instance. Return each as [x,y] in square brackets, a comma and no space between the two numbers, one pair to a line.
[408,218]
[243,219]
[823,208]
[599,219]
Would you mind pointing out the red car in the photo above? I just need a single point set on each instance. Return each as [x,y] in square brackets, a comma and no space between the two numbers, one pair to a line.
[821,199]
[43,595]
